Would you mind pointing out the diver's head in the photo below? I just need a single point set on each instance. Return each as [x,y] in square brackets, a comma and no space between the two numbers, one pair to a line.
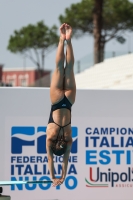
[59,147]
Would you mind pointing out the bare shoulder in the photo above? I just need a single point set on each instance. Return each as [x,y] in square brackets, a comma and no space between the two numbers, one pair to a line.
[51,131]
[48,138]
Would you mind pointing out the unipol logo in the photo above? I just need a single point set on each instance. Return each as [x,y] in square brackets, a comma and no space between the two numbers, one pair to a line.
[22,136]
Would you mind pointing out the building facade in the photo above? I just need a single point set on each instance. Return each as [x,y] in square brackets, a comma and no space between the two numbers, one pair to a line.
[1,68]
[28,77]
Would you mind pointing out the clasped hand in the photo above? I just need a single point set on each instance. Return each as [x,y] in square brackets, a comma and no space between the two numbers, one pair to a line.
[57,181]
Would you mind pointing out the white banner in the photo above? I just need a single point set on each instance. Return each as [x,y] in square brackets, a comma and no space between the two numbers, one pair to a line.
[101,160]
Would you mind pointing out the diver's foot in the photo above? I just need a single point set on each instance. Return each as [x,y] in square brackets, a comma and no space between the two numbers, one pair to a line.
[62,32]
[68,30]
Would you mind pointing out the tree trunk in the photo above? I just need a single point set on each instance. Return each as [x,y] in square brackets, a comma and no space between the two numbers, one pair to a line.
[102,51]
[97,29]
[39,75]
[43,57]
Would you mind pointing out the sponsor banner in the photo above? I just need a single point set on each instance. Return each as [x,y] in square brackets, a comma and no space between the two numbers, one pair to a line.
[100,164]
[109,154]
[27,158]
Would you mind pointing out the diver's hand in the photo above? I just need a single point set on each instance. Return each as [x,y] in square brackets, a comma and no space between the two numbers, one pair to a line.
[62,180]
[57,181]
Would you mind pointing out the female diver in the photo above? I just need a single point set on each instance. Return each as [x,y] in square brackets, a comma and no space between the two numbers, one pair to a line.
[62,94]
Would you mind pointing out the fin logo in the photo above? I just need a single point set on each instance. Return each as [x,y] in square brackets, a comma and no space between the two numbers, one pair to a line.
[24,136]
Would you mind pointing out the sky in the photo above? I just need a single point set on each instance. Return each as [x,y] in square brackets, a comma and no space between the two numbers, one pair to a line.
[14,14]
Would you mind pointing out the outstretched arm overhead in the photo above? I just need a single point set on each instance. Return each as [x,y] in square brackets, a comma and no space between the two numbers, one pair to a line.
[50,158]
[65,160]
[58,181]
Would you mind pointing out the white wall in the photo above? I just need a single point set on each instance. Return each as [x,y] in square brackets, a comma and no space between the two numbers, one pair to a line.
[93,108]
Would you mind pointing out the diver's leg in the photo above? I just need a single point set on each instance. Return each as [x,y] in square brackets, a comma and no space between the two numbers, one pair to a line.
[69,79]
[56,88]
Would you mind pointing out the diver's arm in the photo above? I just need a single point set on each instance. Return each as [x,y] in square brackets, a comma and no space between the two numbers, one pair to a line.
[64,166]
[50,158]
[65,160]
[56,181]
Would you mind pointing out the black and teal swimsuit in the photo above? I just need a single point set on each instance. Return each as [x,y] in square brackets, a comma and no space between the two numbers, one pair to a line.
[64,103]
[60,144]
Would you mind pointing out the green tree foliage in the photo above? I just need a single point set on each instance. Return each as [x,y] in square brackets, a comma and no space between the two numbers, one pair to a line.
[37,39]
[117,17]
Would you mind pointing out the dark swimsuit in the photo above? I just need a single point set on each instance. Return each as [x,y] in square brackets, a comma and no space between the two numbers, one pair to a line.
[59,145]
[64,103]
